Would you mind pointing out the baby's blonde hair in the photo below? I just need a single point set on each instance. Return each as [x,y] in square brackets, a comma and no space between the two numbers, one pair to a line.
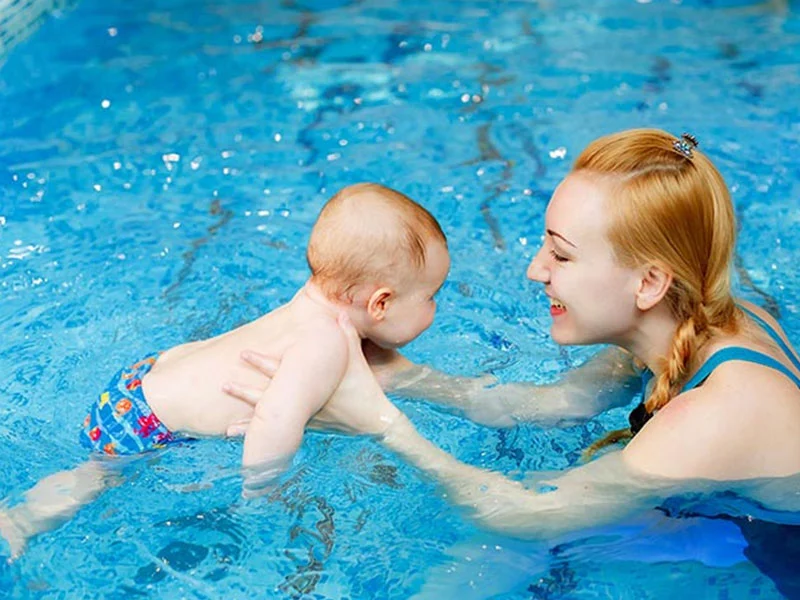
[672,210]
[366,233]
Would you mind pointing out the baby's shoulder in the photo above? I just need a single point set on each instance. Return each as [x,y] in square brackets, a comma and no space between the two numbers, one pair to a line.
[320,335]
[320,325]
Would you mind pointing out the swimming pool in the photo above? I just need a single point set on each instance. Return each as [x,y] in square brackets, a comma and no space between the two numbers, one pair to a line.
[162,162]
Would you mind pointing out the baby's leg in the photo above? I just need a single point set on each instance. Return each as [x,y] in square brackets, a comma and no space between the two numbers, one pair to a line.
[12,534]
[51,502]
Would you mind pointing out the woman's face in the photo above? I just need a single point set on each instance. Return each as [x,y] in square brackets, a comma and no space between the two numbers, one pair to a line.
[592,297]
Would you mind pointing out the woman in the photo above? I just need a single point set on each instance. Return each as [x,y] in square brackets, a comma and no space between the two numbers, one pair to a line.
[637,253]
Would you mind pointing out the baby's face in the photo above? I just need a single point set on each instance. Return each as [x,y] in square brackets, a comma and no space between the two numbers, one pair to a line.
[411,310]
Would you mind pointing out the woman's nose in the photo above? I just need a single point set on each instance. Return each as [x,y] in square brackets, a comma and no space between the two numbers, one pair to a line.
[537,270]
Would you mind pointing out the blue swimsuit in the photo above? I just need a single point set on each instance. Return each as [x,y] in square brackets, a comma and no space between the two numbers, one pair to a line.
[639,416]
[774,548]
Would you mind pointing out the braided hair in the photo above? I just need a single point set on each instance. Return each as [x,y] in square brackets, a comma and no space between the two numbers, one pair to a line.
[670,207]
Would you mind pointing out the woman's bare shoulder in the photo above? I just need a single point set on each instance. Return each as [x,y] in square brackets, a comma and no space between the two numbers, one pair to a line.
[742,423]
[766,316]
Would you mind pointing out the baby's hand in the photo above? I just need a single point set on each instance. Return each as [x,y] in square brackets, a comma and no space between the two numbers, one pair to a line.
[261,480]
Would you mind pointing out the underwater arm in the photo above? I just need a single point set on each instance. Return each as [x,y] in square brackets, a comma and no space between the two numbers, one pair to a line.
[604,381]
[587,496]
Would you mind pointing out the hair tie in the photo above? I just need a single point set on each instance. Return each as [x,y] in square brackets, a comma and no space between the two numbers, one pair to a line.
[685,144]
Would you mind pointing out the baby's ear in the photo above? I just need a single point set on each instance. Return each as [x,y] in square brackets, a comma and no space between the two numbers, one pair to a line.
[378,303]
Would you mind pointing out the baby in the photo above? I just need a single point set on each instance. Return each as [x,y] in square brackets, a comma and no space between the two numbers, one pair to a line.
[374,254]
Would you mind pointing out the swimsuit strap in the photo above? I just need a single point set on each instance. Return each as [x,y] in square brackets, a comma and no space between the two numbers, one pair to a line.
[647,376]
[737,353]
[639,416]
[773,334]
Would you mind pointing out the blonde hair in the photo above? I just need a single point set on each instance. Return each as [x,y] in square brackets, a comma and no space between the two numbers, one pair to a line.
[674,211]
[368,232]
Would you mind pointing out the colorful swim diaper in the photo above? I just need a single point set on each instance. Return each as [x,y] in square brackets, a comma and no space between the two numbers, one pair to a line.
[120,421]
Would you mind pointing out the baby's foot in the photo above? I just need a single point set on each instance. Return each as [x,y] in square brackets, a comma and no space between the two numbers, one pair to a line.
[12,534]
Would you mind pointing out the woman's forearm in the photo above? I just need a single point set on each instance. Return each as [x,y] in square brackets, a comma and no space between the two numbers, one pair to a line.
[465,485]
[584,497]
[605,381]
[421,382]
[483,399]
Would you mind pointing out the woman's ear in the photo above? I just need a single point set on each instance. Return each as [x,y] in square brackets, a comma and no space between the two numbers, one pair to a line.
[378,303]
[653,286]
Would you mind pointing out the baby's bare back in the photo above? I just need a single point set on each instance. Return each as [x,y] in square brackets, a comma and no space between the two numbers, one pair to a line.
[184,388]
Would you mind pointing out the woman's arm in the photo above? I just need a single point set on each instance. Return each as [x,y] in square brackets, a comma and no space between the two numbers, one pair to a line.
[590,495]
[595,494]
[607,380]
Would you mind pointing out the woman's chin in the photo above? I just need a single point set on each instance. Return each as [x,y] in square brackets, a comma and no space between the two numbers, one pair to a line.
[559,335]
[566,337]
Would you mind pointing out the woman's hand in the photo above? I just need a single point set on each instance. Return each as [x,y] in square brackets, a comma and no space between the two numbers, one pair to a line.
[358,405]
[263,364]
[386,365]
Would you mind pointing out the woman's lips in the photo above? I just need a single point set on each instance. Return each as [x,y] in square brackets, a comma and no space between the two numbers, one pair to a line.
[556,308]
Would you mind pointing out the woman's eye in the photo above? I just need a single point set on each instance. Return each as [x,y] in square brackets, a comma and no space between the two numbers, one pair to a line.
[558,257]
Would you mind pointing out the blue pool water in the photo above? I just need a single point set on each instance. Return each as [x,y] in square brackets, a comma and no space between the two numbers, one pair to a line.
[161,164]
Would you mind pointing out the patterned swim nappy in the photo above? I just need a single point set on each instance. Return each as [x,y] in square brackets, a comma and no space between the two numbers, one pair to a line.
[120,421]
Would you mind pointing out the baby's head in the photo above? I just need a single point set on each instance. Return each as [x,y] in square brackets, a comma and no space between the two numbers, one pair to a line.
[379,252]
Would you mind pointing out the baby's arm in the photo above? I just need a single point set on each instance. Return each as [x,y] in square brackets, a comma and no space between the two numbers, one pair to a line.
[309,372]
